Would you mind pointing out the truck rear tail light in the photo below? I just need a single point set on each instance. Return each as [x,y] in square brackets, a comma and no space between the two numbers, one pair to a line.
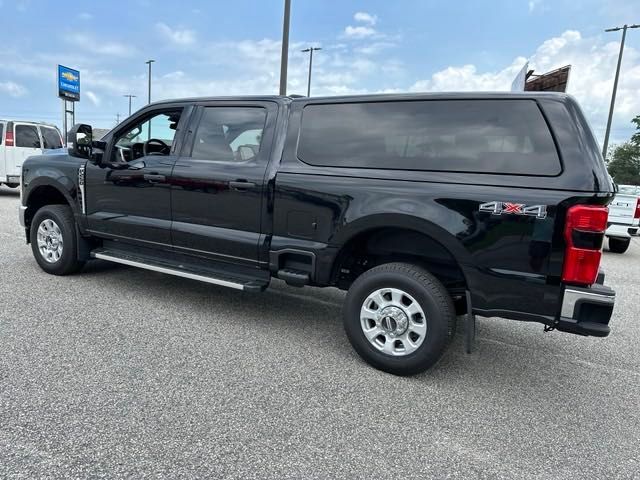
[584,233]
[8,140]
[637,214]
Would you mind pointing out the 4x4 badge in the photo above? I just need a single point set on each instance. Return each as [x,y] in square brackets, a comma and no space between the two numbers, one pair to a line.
[498,208]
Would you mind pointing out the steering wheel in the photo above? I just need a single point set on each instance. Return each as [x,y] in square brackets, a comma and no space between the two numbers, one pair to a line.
[164,151]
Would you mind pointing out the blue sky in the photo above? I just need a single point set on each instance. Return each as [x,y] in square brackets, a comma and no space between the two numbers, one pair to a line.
[218,48]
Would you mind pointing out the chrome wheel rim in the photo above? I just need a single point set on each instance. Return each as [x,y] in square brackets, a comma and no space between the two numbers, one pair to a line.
[393,321]
[50,241]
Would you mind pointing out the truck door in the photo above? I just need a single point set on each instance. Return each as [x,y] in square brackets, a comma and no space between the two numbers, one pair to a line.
[26,142]
[127,193]
[218,184]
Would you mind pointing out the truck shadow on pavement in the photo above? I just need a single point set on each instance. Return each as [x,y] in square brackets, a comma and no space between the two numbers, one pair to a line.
[516,352]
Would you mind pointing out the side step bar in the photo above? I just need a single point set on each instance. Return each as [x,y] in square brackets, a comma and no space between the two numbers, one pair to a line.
[201,275]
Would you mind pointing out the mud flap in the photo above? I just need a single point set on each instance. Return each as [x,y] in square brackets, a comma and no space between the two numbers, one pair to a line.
[469,325]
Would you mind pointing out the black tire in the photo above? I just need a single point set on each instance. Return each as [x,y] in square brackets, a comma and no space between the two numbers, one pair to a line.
[431,296]
[63,217]
[619,245]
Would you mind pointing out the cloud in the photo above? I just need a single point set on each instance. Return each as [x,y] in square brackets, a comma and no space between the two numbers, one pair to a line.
[177,75]
[591,81]
[97,46]
[85,16]
[466,78]
[359,31]
[180,37]
[364,17]
[374,48]
[365,28]
[253,67]
[12,89]
[537,5]
[93,98]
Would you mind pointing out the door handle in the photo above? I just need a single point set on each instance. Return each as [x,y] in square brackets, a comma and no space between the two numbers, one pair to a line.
[154,178]
[241,186]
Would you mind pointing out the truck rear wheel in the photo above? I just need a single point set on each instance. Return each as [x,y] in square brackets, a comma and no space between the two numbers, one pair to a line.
[53,240]
[619,245]
[399,318]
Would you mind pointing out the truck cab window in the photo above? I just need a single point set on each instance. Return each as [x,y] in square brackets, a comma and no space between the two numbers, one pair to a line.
[152,136]
[229,134]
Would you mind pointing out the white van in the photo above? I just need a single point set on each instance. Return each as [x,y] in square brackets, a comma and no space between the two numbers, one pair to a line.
[19,140]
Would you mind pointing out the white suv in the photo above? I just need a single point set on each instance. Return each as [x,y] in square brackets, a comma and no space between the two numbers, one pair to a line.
[19,140]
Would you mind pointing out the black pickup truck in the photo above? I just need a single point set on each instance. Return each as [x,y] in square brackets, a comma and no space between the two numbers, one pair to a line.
[423,207]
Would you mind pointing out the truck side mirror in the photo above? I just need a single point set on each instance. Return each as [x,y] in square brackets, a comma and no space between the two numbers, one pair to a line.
[79,141]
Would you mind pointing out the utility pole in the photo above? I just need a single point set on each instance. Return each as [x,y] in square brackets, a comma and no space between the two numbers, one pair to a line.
[284,55]
[129,97]
[615,84]
[117,119]
[149,62]
[310,50]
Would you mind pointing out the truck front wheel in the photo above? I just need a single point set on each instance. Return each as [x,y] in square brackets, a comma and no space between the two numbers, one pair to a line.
[399,318]
[53,240]
[619,245]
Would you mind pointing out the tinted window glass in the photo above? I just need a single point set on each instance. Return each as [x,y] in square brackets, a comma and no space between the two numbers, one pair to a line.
[1,133]
[51,138]
[484,136]
[27,136]
[155,134]
[229,134]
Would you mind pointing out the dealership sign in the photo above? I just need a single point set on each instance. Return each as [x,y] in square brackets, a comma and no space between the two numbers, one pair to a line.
[68,84]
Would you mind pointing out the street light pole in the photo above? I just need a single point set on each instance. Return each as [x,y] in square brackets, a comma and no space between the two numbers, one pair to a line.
[310,50]
[284,55]
[615,84]
[130,97]
[149,62]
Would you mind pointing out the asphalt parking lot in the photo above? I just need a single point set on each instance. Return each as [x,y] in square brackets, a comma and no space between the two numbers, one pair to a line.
[119,372]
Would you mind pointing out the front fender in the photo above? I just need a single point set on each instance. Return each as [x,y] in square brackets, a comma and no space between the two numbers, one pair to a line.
[57,172]
[63,184]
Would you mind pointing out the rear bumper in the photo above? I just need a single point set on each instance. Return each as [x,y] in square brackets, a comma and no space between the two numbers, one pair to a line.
[587,311]
[621,230]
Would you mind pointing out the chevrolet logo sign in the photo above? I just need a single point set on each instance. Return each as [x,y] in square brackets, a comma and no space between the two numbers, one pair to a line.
[69,76]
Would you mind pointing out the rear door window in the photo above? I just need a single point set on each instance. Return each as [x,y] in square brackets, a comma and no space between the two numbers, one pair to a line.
[229,134]
[27,136]
[1,133]
[478,136]
[51,138]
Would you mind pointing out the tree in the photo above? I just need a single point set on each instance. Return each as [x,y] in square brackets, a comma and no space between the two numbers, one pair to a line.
[623,161]
[624,166]
[635,138]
